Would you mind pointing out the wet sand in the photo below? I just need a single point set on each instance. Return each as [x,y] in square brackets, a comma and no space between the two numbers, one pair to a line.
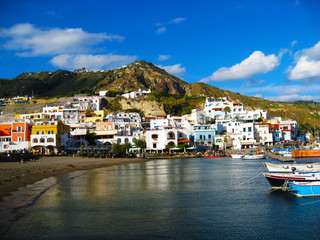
[14,175]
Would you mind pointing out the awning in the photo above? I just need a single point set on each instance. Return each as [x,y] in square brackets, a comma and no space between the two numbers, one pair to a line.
[185,140]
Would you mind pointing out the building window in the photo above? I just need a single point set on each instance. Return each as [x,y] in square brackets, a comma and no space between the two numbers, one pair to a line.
[19,129]
[244,129]
[19,139]
[119,140]
[37,132]
[209,136]
[50,132]
[171,136]
[154,136]
[42,140]
[126,140]
[249,129]
[154,145]
[35,140]
[50,140]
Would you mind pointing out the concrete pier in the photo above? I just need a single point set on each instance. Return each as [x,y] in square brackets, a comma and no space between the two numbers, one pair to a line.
[279,157]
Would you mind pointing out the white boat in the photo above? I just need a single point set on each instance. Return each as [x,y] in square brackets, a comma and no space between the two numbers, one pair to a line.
[254,156]
[280,180]
[237,155]
[288,168]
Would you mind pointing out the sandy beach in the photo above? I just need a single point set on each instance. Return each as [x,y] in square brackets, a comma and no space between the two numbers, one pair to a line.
[14,175]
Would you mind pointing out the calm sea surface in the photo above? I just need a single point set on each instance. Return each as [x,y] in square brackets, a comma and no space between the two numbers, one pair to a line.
[195,198]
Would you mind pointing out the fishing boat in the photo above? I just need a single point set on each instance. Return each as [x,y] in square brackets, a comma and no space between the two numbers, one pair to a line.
[278,180]
[287,168]
[254,156]
[313,151]
[237,155]
[304,189]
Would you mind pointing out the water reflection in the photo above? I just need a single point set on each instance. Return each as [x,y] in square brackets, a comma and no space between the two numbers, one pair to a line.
[167,199]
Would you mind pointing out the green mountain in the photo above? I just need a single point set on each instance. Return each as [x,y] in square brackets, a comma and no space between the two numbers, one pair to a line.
[145,75]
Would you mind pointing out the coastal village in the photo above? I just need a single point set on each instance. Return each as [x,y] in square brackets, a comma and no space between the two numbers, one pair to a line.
[82,126]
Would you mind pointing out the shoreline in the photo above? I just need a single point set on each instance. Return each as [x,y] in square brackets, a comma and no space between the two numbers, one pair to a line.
[14,175]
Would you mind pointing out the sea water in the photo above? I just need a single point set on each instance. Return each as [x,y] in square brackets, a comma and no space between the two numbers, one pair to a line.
[195,198]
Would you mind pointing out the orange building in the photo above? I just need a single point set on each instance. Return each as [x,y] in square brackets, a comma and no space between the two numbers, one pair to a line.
[14,135]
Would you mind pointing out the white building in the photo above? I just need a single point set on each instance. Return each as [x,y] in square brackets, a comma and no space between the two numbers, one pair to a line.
[139,94]
[55,112]
[160,123]
[221,108]
[122,118]
[262,133]
[87,102]
[71,115]
[242,134]
[158,139]
[103,93]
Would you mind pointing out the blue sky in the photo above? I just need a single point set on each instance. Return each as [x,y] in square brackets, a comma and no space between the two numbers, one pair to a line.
[263,48]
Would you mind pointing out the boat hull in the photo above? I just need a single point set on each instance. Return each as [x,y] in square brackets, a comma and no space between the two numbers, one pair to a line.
[305,189]
[305,153]
[287,168]
[237,155]
[279,180]
[254,157]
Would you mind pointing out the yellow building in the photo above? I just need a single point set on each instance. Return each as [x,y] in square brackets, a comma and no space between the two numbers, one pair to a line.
[49,137]
[96,116]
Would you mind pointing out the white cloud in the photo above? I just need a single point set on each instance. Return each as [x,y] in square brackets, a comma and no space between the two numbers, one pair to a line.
[253,82]
[175,70]
[92,62]
[178,20]
[293,97]
[161,26]
[284,92]
[29,40]
[163,57]
[307,65]
[161,30]
[293,43]
[256,63]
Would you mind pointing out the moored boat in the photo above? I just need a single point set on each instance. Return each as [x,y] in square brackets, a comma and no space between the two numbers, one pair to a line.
[304,189]
[237,155]
[212,156]
[288,168]
[305,153]
[254,156]
[278,180]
